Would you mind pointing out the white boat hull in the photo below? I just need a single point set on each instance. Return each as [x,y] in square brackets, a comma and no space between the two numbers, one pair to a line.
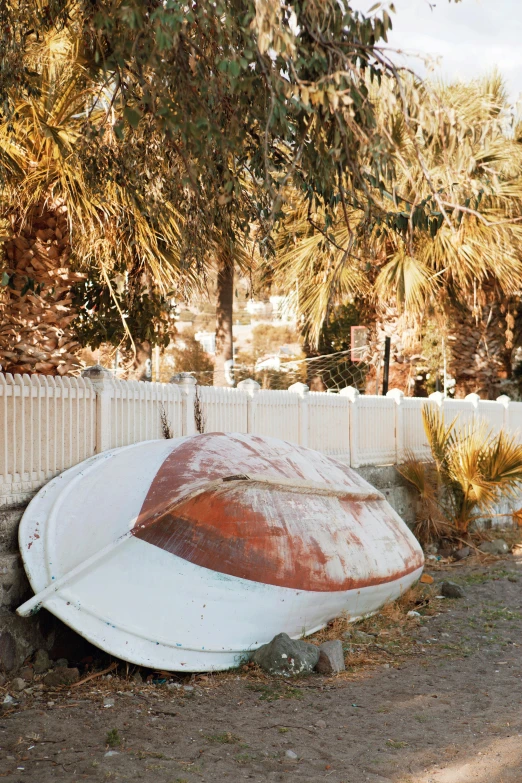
[144,604]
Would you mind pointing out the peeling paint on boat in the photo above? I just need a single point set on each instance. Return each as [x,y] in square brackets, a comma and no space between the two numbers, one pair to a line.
[263,535]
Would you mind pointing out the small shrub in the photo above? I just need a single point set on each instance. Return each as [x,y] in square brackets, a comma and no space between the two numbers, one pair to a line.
[113,739]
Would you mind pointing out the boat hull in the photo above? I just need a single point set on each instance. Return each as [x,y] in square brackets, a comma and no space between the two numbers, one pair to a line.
[145,603]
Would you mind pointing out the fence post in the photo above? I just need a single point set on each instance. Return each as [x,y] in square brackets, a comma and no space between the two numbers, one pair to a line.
[397,395]
[101,380]
[353,395]
[251,387]
[302,390]
[504,400]
[187,386]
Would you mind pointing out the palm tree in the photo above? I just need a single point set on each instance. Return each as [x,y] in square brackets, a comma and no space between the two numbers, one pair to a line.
[68,207]
[466,257]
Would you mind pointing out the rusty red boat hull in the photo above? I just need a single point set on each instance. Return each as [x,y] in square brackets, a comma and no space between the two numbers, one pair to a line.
[185,554]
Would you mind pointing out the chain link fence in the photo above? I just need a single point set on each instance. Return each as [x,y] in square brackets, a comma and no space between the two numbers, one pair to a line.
[327,373]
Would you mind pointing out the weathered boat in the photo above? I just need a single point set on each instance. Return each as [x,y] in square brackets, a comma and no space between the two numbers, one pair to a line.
[184,554]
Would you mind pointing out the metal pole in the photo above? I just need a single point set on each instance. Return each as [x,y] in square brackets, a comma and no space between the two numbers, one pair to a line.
[445,368]
[386,374]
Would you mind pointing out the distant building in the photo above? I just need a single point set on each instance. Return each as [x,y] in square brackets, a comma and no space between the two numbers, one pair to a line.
[258,308]
[207,340]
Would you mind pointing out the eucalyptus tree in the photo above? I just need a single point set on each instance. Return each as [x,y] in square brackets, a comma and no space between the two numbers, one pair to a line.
[244,96]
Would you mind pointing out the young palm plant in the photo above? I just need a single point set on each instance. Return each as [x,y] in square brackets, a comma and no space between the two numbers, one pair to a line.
[472,470]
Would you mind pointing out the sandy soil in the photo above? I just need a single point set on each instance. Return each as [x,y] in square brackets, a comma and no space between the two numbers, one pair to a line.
[434,699]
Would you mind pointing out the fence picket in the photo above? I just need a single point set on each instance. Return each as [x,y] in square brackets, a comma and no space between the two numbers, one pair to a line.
[48,424]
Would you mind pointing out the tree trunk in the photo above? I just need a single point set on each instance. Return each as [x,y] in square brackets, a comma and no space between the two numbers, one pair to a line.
[480,356]
[142,365]
[223,367]
[36,311]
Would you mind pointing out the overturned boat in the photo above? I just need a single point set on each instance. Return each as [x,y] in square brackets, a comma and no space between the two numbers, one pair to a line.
[185,554]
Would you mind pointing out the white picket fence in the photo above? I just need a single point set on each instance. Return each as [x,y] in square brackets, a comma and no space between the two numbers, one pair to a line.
[49,424]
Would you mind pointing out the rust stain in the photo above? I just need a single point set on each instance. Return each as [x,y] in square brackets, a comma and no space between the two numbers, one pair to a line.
[221,530]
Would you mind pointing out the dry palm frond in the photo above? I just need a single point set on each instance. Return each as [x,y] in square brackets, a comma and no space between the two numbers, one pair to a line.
[472,470]
[409,278]
[438,433]
[429,522]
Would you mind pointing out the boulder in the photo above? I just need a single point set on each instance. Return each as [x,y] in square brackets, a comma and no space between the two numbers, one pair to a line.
[452,590]
[496,547]
[462,553]
[18,684]
[286,656]
[42,662]
[61,676]
[331,658]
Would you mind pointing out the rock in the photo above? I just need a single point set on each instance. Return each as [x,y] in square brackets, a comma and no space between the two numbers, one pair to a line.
[8,699]
[286,656]
[423,632]
[496,547]
[188,688]
[61,663]
[321,724]
[61,676]
[108,702]
[42,662]
[452,590]
[291,755]
[359,637]
[18,685]
[111,753]
[462,553]
[27,673]
[7,651]
[331,658]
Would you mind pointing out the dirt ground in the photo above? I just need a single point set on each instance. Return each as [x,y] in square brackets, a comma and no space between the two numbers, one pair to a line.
[434,698]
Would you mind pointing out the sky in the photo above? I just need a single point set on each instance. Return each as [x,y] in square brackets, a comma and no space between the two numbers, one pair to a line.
[470,38]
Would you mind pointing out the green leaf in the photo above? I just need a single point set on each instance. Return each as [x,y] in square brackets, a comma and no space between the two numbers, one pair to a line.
[132,116]
[5,279]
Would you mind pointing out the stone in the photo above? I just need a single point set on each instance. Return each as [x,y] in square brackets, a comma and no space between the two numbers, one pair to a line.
[61,663]
[111,753]
[61,676]
[7,651]
[452,590]
[27,673]
[331,658]
[462,553]
[108,702]
[18,685]
[321,724]
[291,755]
[286,656]
[42,662]
[359,637]
[496,547]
